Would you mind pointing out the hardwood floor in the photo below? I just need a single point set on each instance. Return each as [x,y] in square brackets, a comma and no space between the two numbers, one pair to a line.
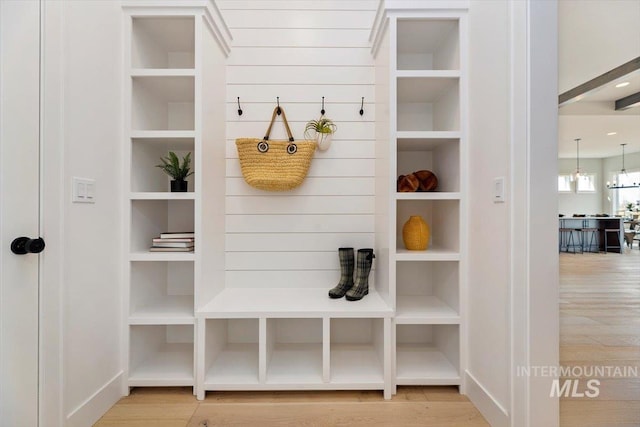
[177,407]
[600,326]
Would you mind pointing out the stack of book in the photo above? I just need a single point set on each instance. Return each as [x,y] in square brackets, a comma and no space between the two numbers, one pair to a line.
[173,242]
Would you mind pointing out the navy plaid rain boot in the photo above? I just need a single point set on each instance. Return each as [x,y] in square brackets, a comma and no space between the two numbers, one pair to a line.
[346,277]
[361,286]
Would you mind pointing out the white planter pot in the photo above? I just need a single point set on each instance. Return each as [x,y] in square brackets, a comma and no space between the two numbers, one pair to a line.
[324,141]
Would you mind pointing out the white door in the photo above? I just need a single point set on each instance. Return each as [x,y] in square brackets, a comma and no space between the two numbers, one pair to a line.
[19,210]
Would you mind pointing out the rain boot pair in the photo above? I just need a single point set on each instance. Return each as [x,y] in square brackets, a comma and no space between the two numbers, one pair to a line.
[353,291]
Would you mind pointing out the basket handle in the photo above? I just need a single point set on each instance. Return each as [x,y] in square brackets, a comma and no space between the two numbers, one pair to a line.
[284,120]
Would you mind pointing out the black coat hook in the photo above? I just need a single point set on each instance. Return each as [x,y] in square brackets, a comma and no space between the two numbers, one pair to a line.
[362,107]
[239,108]
[278,101]
[322,111]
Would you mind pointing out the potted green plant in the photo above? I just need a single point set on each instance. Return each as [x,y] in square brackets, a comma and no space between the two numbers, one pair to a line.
[322,131]
[172,166]
[629,207]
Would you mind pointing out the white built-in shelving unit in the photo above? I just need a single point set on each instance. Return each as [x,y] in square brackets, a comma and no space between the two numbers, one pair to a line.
[186,323]
[174,55]
[421,80]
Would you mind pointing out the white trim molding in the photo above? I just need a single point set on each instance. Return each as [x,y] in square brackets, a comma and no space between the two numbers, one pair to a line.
[52,215]
[534,268]
[97,404]
[488,405]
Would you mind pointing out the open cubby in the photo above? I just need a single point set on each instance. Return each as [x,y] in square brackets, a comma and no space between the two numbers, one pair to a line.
[428,104]
[161,355]
[146,154]
[357,351]
[428,44]
[231,352]
[427,292]
[427,354]
[442,216]
[441,156]
[162,42]
[162,103]
[150,218]
[161,291]
[294,351]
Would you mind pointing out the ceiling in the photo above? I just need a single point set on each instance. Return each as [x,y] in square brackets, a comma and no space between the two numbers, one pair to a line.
[592,116]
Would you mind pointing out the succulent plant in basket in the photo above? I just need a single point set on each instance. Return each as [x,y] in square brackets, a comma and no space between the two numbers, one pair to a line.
[177,170]
[322,131]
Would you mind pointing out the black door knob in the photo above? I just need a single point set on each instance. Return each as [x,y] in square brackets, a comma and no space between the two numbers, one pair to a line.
[25,245]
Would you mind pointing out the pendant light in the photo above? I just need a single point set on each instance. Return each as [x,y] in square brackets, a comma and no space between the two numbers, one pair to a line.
[623,171]
[576,173]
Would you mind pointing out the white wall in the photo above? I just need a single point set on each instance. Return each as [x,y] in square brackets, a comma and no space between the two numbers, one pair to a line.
[303,50]
[513,315]
[582,203]
[489,157]
[594,37]
[92,132]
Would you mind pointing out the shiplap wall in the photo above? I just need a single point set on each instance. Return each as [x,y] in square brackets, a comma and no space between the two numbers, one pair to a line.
[300,50]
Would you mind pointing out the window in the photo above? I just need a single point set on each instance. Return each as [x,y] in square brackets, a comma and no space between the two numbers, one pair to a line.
[564,183]
[586,183]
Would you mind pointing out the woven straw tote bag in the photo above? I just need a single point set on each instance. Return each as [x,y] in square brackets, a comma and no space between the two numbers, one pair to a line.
[275,165]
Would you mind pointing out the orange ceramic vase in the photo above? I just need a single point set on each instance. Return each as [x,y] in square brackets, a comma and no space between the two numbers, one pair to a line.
[416,233]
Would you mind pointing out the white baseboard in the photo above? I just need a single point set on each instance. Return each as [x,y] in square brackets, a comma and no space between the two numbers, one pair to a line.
[488,406]
[90,411]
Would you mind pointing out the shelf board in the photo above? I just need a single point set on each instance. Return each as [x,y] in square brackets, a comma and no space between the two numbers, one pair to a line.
[429,196]
[355,364]
[236,365]
[421,309]
[160,195]
[424,365]
[162,256]
[172,365]
[291,302]
[162,72]
[295,364]
[163,134]
[428,134]
[428,74]
[169,310]
[431,254]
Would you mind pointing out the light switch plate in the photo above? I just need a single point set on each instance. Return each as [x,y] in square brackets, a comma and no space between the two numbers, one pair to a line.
[83,190]
[498,190]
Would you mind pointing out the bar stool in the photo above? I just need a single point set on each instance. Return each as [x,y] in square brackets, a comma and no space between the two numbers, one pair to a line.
[607,246]
[571,241]
[590,233]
